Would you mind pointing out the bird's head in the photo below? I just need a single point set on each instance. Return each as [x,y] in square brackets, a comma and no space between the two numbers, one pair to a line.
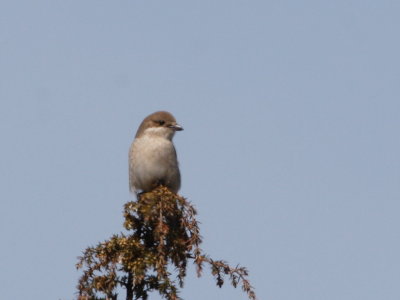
[160,124]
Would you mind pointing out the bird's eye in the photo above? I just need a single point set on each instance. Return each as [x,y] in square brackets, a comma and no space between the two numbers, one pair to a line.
[161,122]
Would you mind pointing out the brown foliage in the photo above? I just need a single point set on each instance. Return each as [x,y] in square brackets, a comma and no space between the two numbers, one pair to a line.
[163,232]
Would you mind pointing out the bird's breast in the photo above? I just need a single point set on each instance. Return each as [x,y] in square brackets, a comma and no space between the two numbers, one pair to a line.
[152,156]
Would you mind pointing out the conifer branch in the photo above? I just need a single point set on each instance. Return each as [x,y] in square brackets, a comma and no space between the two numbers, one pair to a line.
[163,232]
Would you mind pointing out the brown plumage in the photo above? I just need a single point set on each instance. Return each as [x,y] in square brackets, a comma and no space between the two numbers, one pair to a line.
[152,156]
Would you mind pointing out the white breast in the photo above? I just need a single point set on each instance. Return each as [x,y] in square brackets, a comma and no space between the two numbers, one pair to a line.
[151,158]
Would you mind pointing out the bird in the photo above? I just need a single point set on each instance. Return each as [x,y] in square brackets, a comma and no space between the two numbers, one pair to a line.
[152,155]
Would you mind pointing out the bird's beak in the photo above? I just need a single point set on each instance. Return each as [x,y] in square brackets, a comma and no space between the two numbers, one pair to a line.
[176,127]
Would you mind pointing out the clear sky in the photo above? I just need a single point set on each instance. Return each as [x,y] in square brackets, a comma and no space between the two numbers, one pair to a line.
[290,150]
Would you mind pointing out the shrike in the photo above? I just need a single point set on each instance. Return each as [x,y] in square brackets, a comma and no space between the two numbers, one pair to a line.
[152,155]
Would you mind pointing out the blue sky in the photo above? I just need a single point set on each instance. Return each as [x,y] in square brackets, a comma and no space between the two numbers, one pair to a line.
[290,151]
